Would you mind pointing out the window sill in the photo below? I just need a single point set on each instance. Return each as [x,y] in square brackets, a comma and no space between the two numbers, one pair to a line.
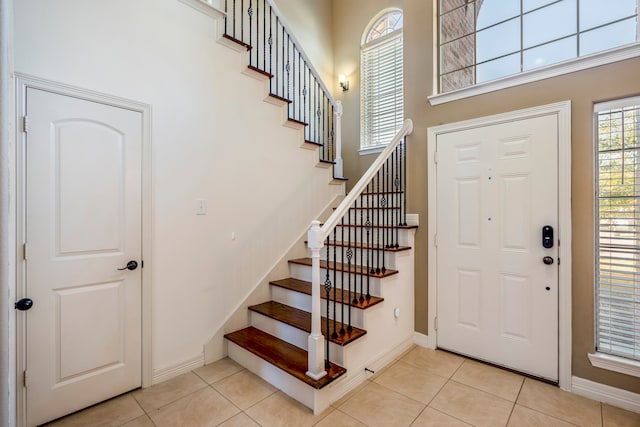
[553,70]
[615,363]
[208,7]
[372,150]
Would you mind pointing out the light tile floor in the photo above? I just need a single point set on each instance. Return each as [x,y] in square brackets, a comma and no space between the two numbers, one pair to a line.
[421,388]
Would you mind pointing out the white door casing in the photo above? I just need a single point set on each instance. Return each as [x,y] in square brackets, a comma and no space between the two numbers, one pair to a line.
[497,300]
[83,221]
[512,259]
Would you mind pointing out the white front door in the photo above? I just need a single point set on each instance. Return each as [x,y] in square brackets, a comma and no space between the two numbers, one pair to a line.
[497,299]
[83,223]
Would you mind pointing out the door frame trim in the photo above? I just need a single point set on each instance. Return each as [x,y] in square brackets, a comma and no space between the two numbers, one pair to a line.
[563,112]
[22,83]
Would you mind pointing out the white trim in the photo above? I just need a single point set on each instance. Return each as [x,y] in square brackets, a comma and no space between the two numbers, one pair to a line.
[209,8]
[188,365]
[607,394]
[426,341]
[554,70]
[563,111]
[22,82]
[372,149]
[615,363]
[616,104]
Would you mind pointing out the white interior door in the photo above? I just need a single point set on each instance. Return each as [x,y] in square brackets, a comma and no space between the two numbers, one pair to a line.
[497,187]
[83,222]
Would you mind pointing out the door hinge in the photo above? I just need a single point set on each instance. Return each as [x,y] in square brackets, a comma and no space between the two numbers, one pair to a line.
[25,124]
[435,240]
[24,251]
[435,323]
[24,378]
[435,157]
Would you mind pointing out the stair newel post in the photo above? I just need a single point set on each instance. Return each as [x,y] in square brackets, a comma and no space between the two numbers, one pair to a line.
[337,169]
[315,363]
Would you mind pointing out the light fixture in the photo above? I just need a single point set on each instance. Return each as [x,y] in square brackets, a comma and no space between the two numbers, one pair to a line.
[344,83]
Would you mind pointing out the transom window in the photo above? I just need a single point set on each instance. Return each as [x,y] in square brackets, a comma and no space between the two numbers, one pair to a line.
[381,81]
[483,40]
[618,228]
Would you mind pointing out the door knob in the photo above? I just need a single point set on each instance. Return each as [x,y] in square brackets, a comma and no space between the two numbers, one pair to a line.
[24,304]
[547,260]
[131,265]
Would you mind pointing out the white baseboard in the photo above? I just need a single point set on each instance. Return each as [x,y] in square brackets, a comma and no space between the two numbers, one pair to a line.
[603,393]
[427,341]
[188,365]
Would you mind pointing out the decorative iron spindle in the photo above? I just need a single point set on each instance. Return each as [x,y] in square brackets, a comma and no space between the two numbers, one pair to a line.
[378,223]
[396,186]
[250,15]
[342,331]
[403,144]
[362,248]
[349,256]
[327,289]
[334,335]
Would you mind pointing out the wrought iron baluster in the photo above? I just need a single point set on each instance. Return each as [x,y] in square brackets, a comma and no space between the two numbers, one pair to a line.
[404,181]
[385,216]
[299,88]
[327,289]
[334,335]
[369,270]
[226,16]
[264,36]
[396,185]
[349,256]
[355,259]
[378,223]
[277,74]
[250,14]
[342,331]
[288,69]
[270,41]
[242,20]
[284,61]
[362,248]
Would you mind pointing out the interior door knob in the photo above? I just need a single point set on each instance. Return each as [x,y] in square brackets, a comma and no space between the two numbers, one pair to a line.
[547,260]
[24,304]
[131,265]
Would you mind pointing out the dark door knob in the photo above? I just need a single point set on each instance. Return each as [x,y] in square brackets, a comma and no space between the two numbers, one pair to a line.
[131,265]
[24,304]
[547,260]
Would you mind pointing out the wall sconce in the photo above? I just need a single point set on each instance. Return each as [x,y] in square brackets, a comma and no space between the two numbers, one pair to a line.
[344,83]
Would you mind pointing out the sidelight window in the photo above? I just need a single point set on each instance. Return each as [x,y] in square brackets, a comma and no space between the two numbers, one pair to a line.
[618,228]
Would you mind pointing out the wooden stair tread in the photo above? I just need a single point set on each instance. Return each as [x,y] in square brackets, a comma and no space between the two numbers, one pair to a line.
[402,227]
[285,356]
[302,320]
[238,41]
[260,71]
[357,269]
[304,287]
[280,98]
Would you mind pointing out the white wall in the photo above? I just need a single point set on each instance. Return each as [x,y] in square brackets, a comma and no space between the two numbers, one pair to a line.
[212,137]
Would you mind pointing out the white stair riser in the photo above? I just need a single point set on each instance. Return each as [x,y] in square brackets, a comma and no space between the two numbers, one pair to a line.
[386,258]
[303,272]
[293,335]
[303,302]
[275,376]
[400,236]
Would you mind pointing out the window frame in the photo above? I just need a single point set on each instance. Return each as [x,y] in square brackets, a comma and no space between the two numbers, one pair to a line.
[579,63]
[364,46]
[603,359]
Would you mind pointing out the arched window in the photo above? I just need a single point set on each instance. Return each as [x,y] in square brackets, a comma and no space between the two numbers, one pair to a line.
[484,40]
[381,81]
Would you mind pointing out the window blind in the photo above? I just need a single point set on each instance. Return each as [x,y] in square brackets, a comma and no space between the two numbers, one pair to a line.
[381,91]
[618,230]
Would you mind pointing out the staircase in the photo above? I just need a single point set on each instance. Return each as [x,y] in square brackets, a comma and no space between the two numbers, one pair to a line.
[357,317]
[346,309]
